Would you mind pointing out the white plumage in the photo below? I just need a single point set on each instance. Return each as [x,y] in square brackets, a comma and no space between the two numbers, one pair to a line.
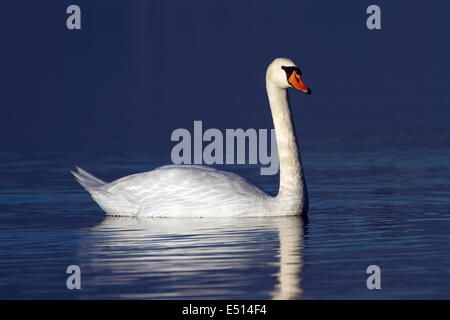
[168,191]
[200,191]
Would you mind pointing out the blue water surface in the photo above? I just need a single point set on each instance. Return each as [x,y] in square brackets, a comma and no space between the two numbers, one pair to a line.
[378,200]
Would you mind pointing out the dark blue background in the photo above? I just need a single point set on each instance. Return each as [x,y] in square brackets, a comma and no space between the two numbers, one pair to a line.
[139,69]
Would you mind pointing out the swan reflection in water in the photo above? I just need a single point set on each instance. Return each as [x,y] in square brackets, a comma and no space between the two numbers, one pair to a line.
[194,258]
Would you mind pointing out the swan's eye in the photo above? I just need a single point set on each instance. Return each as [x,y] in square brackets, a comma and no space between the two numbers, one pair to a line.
[290,70]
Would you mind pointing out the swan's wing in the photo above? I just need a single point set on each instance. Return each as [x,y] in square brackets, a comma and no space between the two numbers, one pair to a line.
[184,186]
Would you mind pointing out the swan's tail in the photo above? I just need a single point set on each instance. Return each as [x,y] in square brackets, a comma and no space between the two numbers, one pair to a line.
[87,180]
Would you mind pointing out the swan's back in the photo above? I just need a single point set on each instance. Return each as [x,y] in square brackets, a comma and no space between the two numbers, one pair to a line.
[175,190]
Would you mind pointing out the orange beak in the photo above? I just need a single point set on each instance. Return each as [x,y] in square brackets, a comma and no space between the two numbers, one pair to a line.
[296,81]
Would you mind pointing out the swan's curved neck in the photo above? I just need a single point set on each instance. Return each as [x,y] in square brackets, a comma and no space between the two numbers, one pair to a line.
[292,183]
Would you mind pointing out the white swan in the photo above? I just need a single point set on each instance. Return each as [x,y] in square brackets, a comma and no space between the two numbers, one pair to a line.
[199,191]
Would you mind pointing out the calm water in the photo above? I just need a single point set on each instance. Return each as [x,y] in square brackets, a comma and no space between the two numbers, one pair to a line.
[383,201]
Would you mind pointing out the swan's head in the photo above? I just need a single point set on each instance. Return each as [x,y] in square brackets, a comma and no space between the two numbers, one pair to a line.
[285,74]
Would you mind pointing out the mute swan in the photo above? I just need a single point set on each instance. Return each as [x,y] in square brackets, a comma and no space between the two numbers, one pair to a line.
[199,191]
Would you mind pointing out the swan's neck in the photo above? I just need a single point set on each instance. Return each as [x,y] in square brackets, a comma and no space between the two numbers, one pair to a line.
[292,184]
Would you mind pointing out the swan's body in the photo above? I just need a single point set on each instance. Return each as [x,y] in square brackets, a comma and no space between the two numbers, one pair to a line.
[199,191]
